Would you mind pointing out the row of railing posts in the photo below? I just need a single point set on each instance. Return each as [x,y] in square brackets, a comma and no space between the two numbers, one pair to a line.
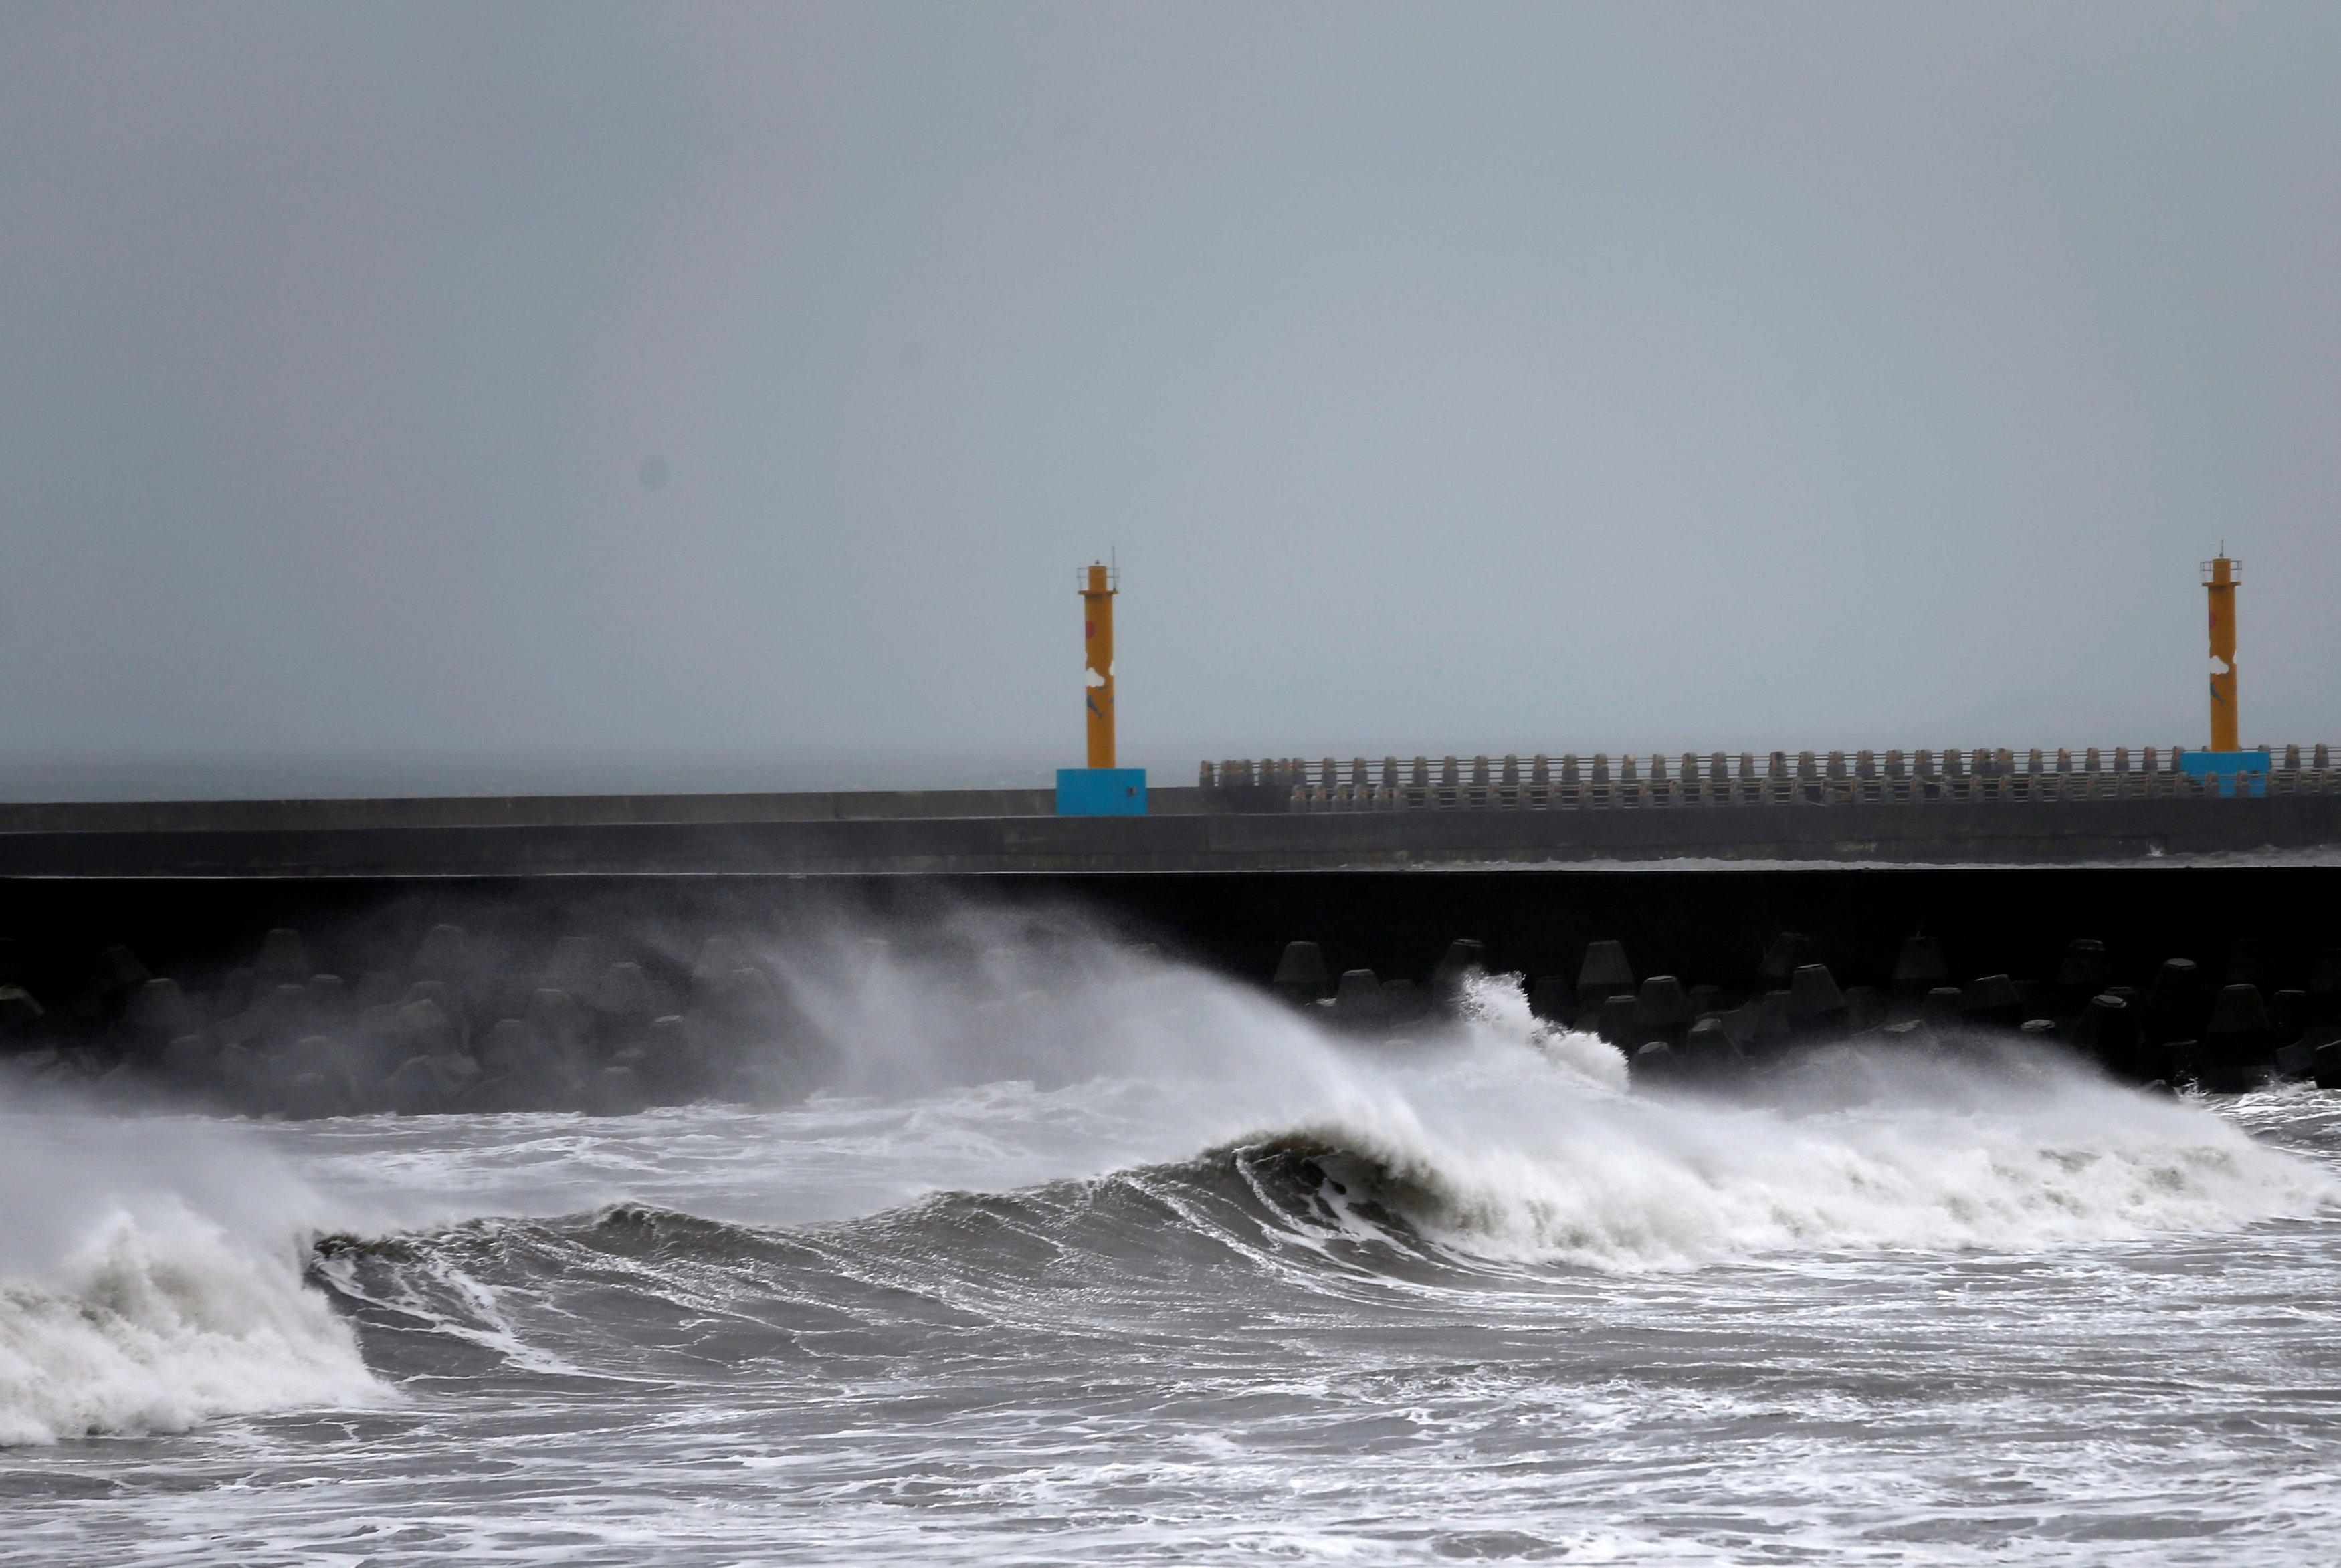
[1717,777]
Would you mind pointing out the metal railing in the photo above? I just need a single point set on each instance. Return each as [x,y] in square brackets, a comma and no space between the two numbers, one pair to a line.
[1642,780]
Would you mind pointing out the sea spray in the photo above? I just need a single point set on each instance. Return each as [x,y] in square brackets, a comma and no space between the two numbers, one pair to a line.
[1495,1011]
[146,1331]
[150,1277]
[986,996]
[1496,1135]
[1085,1256]
[1502,1135]
[1515,1140]
[1061,1058]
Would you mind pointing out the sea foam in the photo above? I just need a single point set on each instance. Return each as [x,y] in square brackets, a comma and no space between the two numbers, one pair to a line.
[147,1332]
[1540,1154]
[149,1279]
[1506,1136]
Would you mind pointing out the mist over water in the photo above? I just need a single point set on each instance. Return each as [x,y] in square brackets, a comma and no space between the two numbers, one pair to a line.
[1085,1253]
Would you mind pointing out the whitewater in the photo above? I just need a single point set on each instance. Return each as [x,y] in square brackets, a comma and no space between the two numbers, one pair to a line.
[1088,1254]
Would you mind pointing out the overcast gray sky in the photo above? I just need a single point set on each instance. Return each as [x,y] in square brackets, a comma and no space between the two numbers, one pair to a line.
[1448,378]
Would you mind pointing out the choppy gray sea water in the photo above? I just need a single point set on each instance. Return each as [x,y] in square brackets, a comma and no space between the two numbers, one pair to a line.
[1216,1290]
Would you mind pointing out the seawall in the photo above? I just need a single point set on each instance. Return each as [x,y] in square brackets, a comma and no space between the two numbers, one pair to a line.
[1189,831]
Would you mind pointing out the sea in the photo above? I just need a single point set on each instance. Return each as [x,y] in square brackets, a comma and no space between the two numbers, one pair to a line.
[1089,1256]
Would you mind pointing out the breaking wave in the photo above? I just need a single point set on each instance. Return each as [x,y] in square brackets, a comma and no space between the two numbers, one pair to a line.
[150,1279]
[1491,1171]
[148,1332]
[1500,1153]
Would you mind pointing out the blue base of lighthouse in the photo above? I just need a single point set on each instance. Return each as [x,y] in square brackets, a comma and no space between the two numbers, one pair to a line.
[2231,771]
[1100,791]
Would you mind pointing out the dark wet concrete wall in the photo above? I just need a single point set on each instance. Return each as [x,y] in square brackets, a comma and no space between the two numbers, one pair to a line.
[247,841]
[316,995]
[1710,925]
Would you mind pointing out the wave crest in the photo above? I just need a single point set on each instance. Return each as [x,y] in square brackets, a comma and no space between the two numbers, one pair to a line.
[1632,1185]
[1572,1180]
[147,1330]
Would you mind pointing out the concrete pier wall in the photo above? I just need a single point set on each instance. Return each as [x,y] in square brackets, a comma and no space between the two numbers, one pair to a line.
[719,835]
[532,810]
[310,957]
[305,996]
[1709,923]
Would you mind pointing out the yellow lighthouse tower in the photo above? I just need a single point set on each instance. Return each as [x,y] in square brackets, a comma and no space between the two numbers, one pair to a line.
[2220,575]
[1097,589]
[1099,790]
[2225,767]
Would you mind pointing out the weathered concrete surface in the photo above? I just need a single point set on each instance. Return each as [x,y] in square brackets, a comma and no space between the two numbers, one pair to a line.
[521,810]
[1712,923]
[713,835]
[83,945]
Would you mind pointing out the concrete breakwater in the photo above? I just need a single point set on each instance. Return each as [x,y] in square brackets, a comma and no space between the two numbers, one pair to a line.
[2221,1029]
[585,837]
[461,1023]
[1573,782]
[312,996]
